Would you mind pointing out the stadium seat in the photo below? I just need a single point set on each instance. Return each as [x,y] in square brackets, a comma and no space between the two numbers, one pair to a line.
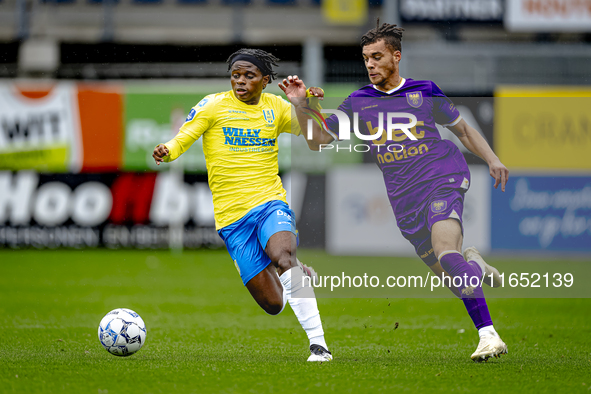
[57,1]
[282,2]
[102,1]
[372,3]
[192,1]
[147,1]
[233,2]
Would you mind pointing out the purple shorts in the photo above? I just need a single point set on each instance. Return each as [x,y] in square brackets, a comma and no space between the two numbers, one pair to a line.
[445,203]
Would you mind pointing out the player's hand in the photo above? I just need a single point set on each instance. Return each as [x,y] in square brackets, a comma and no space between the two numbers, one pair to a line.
[317,92]
[294,88]
[499,172]
[159,152]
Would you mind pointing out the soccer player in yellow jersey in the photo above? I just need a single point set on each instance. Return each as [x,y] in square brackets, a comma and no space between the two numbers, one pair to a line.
[239,130]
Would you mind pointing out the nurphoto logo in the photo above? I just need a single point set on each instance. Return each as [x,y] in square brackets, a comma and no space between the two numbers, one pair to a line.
[344,132]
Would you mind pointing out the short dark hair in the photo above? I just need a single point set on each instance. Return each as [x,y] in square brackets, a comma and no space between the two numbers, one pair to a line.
[391,34]
[267,59]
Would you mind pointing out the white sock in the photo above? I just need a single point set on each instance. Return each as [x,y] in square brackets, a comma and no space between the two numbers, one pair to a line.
[487,332]
[319,341]
[284,296]
[303,302]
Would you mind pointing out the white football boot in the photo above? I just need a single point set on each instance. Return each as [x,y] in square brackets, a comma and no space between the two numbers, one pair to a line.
[489,346]
[472,254]
[319,353]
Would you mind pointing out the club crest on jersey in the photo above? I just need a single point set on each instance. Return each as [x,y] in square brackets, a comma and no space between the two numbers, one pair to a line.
[414,99]
[438,206]
[269,115]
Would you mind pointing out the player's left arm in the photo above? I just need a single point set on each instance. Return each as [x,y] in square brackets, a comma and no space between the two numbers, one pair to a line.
[476,144]
[295,90]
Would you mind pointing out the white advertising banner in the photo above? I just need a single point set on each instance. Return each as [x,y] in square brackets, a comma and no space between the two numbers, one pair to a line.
[360,221]
[115,210]
[548,15]
[40,133]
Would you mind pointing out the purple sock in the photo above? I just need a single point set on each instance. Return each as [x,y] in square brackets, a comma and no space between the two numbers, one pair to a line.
[455,265]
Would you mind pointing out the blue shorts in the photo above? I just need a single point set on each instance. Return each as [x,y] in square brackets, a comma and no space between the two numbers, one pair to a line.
[247,238]
[445,203]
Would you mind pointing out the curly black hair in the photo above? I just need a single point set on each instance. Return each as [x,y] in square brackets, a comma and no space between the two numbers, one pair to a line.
[267,60]
[391,34]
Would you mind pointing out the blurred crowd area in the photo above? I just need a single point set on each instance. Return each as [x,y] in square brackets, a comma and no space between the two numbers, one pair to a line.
[478,44]
[89,87]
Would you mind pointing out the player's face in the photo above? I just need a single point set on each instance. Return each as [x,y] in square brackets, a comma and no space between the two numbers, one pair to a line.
[381,63]
[247,82]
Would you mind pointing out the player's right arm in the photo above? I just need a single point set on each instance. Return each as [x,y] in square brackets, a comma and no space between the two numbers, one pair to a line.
[198,121]
[160,152]
[174,148]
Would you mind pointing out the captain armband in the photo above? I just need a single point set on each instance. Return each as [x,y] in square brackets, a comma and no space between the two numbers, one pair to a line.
[314,104]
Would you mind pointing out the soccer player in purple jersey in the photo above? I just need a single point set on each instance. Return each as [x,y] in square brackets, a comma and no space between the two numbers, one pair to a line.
[426,177]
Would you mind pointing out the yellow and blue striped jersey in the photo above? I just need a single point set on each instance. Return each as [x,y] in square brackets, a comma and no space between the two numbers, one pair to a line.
[240,147]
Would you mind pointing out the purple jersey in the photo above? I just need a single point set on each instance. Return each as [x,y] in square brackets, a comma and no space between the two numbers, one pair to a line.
[413,169]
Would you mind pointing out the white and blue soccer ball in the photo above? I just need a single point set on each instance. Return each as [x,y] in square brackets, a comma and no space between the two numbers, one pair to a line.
[122,332]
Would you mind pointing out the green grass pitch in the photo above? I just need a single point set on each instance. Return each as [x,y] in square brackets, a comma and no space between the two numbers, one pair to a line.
[206,334]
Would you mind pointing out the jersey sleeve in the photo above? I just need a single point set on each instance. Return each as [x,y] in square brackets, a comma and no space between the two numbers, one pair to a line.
[200,119]
[332,122]
[286,114]
[445,112]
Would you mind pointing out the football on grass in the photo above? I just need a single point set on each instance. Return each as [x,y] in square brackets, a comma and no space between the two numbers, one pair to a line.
[122,332]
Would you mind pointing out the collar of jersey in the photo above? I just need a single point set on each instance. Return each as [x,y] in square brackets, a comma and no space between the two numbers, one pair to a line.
[402,81]
[243,103]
